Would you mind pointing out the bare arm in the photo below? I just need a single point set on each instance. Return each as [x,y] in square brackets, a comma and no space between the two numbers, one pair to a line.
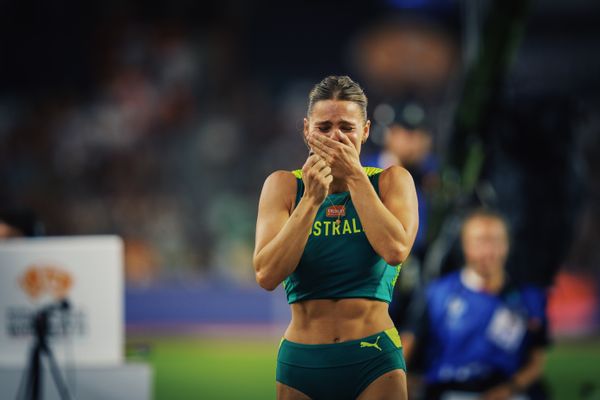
[522,379]
[281,234]
[390,222]
[532,371]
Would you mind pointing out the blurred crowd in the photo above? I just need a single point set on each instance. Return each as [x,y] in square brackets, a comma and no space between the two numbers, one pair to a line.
[178,116]
[168,150]
[169,144]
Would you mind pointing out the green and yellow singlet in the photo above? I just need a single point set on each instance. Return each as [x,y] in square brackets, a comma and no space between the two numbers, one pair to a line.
[338,260]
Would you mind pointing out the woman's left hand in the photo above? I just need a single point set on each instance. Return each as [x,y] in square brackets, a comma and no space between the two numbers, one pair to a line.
[339,153]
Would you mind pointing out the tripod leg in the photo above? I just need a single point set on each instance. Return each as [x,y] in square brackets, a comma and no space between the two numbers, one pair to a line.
[24,382]
[31,380]
[58,379]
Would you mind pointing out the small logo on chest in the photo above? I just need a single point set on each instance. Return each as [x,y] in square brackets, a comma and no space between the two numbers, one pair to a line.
[335,211]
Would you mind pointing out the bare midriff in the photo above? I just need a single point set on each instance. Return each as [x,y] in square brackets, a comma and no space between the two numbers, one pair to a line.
[325,321]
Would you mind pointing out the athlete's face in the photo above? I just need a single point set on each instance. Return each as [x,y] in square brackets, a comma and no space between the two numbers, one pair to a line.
[344,117]
[485,245]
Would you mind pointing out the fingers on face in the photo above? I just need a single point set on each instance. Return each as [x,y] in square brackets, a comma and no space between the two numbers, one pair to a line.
[330,149]
[315,151]
[312,160]
[319,165]
[316,166]
[324,155]
[321,169]
[322,141]
[314,143]
[345,139]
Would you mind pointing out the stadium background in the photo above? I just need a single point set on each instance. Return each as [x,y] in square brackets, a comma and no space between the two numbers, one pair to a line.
[159,121]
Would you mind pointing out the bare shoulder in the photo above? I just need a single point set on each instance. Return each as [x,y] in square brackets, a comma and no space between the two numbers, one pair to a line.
[395,178]
[281,180]
[280,185]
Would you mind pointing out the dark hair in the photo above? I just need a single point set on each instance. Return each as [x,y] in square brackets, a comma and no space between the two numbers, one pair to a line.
[487,213]
[338,88]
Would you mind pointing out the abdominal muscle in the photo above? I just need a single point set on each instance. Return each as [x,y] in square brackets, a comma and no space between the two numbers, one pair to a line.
[325,321]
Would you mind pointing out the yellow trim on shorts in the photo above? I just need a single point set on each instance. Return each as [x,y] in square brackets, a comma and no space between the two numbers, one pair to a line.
[392,333]
[394,336]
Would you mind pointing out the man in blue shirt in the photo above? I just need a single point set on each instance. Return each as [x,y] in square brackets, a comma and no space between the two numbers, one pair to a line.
[480,333]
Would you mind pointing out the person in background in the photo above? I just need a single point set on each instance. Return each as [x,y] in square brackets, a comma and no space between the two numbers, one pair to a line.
[476,330]
[408,142]
[19,223]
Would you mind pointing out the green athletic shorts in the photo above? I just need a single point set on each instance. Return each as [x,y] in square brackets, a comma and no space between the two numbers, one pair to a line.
[341,370]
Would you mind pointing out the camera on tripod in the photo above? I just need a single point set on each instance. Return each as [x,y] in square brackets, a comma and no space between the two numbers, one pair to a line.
[31,386]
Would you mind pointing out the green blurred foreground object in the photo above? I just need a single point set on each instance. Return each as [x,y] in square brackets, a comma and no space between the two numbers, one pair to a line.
[219,369]
[228,369]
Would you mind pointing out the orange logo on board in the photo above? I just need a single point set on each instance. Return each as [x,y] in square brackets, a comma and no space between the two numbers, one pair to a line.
[50,280]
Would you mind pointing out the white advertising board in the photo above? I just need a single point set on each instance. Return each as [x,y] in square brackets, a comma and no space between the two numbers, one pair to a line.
[87,271]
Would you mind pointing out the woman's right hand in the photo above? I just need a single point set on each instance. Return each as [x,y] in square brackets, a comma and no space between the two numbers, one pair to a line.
[317,177]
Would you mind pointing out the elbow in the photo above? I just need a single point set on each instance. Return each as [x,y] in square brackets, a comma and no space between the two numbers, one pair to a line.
[265,281]
[396,255]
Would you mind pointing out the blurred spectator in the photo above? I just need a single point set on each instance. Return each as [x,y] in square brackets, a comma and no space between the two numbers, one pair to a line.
[19,223]
[475,330]
[8,231]
[141,265]
[408,142]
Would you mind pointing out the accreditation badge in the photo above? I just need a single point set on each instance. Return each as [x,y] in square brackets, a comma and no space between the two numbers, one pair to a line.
[506,329]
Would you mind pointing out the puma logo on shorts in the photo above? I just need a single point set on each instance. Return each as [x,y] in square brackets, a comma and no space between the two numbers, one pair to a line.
[367,344]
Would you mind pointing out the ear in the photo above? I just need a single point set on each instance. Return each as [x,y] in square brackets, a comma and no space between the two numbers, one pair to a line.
[305,130]
[366,131]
